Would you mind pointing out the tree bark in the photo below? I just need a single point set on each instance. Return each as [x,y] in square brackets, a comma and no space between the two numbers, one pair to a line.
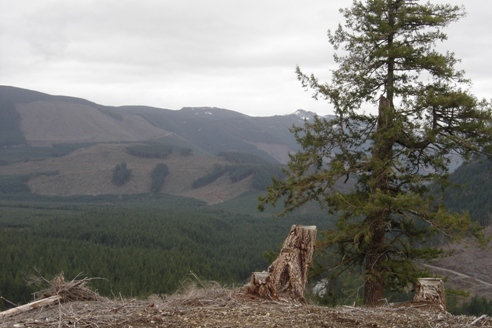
[374,273]
[288,274]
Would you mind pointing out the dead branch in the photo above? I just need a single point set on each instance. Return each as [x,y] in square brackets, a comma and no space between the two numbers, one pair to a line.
[30,306]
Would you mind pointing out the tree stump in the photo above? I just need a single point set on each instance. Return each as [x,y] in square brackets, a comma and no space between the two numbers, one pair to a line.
[430,290]
[287,275]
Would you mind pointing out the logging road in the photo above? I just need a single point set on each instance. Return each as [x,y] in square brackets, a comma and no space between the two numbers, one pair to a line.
[458,274]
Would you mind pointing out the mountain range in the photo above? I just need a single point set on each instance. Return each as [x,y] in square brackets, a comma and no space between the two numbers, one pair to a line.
[37,125]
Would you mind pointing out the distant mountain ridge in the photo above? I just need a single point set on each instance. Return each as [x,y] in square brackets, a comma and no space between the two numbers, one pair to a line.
[65,146]
[46,120]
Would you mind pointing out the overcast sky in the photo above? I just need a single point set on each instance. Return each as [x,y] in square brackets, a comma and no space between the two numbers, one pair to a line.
[234,54]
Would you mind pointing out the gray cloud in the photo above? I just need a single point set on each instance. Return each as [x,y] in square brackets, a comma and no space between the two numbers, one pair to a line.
[239,55]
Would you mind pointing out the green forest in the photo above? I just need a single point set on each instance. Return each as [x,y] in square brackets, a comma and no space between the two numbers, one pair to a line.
[137,246]
[471,191]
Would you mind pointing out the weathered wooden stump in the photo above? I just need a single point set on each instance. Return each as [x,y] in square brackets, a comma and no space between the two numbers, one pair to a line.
[430,290]
[287,275]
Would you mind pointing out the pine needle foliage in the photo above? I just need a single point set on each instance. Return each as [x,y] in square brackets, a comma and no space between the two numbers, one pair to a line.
[402,111]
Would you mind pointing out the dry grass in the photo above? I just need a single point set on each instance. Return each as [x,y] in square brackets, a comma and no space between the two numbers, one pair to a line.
[207,304]
[195,292]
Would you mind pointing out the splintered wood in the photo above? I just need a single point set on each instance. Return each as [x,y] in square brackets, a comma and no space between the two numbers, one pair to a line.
[430,290]
[287,275]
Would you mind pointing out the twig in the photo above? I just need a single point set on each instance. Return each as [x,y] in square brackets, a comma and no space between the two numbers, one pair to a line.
[122,306]
[197,279]
[478,319]
[59,315]
[6,300]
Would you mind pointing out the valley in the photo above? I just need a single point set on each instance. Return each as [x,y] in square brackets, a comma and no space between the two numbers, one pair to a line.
[60,210]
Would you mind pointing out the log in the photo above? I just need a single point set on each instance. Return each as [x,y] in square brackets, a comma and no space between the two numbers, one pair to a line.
[287,276]
[430,290]
[30,306]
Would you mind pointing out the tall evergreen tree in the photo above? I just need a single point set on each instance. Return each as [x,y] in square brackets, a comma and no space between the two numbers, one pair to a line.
[425,114]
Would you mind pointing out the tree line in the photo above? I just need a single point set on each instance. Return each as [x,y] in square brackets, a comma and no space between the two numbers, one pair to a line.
[157,150]
[262,174]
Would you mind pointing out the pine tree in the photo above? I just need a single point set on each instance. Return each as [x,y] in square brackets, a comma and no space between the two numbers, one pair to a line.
[424,114]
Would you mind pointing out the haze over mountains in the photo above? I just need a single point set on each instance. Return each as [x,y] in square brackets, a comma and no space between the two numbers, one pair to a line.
[47,120]
[100,136]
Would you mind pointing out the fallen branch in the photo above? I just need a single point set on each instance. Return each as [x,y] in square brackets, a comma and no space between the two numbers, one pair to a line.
[478,319]
[30,306]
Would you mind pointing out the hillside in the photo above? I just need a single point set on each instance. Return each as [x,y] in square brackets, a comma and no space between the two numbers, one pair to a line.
[50,122]
[65,146]
[88,171]
[38,119]
[216,130]
[46,120]
[468,269]
[474,190]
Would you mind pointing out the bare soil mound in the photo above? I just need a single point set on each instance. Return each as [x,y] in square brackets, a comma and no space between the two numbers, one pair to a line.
[219,307]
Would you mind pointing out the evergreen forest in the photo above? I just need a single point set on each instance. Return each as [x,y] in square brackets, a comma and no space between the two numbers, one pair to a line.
[138,245]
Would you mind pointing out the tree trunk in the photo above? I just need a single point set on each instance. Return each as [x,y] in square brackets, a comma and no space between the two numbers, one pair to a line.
[288,274]
[374,275]
[382,153]
[430,290]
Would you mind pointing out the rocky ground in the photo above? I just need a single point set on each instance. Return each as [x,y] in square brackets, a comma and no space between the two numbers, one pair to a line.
[219,307]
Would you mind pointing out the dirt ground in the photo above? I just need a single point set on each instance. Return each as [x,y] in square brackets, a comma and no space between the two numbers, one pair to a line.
[219,307]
